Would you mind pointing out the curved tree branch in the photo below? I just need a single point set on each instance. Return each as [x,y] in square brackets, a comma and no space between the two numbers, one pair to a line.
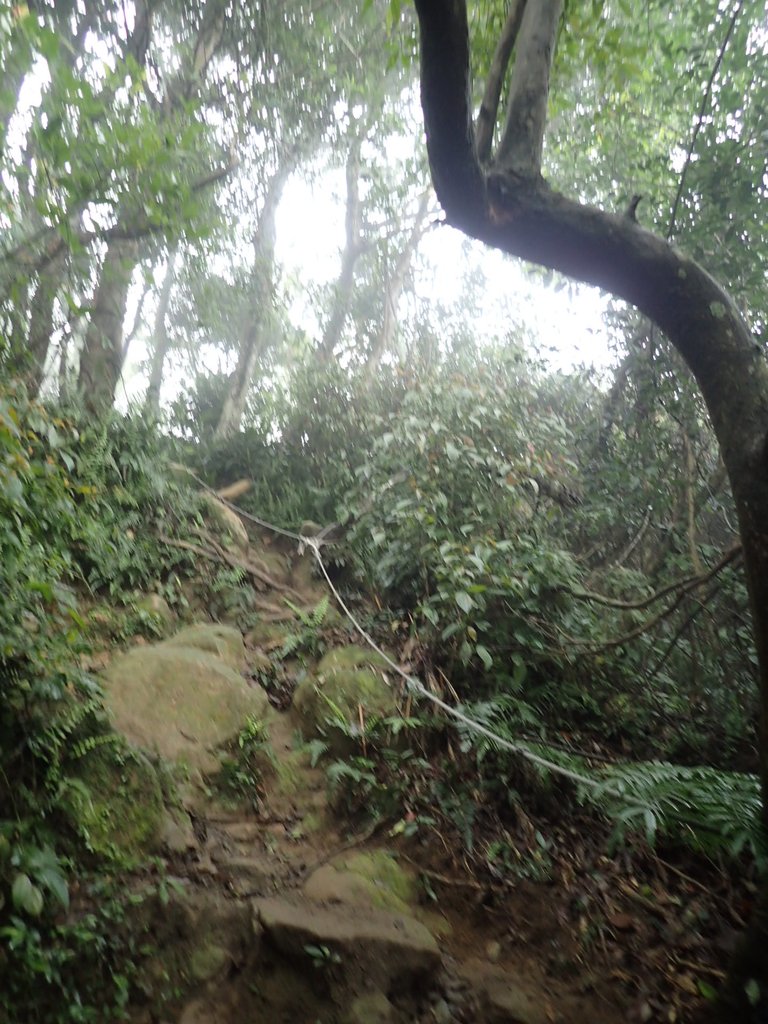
[525,217]
[489,107]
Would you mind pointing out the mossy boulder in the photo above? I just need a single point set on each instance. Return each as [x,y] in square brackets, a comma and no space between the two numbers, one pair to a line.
[371,878]
[222,641]
[328,701]
[119,808]
[184,698]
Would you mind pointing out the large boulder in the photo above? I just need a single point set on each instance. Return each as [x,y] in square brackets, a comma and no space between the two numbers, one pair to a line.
[370,879]
[184,699]
[376,948]
[328,701]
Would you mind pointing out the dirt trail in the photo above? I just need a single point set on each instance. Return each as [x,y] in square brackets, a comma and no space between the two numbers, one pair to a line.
[314,930]
[277,914]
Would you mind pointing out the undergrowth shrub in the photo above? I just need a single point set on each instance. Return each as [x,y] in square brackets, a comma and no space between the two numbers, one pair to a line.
[80,508]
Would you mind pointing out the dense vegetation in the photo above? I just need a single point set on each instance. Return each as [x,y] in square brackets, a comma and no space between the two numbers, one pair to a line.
[555,552]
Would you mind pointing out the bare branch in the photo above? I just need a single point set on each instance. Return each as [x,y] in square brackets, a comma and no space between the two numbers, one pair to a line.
[682,586]
[489,108]
[522,140]
[142,227]
[700,120]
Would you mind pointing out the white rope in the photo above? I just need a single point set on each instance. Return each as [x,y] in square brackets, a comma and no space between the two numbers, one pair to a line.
[418,687]
[411,681]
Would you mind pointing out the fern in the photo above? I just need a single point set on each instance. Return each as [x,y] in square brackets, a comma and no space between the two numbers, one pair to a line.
[710,811]
[306,638]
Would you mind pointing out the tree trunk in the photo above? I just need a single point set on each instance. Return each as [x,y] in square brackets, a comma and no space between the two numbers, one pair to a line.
[394,288]
[159,343]
[353,249]
[255,333]
[41,323]
[522,215]
[101,359]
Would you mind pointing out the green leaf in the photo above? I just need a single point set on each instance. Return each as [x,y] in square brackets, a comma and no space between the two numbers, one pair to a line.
[484,655]
[26,895]
[464,601]
[429,613]
[752,990]
[706,990]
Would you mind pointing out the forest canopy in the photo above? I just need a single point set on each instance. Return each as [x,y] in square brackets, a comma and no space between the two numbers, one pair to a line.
[576,557]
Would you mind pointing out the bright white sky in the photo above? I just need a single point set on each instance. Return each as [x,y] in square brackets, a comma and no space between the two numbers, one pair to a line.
[567,323]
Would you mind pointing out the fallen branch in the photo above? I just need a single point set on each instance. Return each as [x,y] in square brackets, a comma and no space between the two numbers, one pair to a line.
[219,554]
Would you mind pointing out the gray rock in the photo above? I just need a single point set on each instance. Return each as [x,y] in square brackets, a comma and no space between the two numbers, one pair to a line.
[377,947]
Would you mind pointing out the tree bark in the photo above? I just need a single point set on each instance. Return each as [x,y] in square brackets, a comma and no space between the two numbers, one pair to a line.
[101,358]
[521,214]
[522,140]
[255,334]
[41,323]
[489,108]
[160,341]
[353,249]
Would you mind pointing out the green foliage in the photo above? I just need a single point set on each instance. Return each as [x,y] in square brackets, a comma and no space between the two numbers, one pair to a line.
[710,811]
[130,503]
[77,971]
[242,772]
[306,640]
[76,507]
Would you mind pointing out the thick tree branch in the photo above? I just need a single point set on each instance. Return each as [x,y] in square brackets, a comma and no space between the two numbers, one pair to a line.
[528,219]
[489,107]
[445,98]
[522,140]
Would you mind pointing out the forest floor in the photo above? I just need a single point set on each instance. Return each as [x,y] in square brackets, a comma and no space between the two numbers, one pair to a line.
[284,913]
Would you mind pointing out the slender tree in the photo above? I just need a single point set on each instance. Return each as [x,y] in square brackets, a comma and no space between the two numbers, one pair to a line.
[256,329]
[101,359]
[501,197]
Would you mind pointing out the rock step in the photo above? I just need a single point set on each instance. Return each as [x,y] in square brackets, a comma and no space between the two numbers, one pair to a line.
[371,944]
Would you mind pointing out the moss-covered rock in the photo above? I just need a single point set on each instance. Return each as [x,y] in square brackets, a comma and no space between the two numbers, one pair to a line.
[327,701]
[119,809]
[222,641]
[372,878]
[183,698]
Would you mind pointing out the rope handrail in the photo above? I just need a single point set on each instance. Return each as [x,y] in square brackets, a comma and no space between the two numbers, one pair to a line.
[414,685]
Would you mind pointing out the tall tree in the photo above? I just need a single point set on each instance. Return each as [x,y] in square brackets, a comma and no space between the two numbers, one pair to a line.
[102,356]
[354,243]
[500,196]
[257,326]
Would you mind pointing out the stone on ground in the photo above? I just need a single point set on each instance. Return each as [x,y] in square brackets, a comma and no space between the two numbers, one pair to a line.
[373,878]
[183,699]
[373,949]
[328,702]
